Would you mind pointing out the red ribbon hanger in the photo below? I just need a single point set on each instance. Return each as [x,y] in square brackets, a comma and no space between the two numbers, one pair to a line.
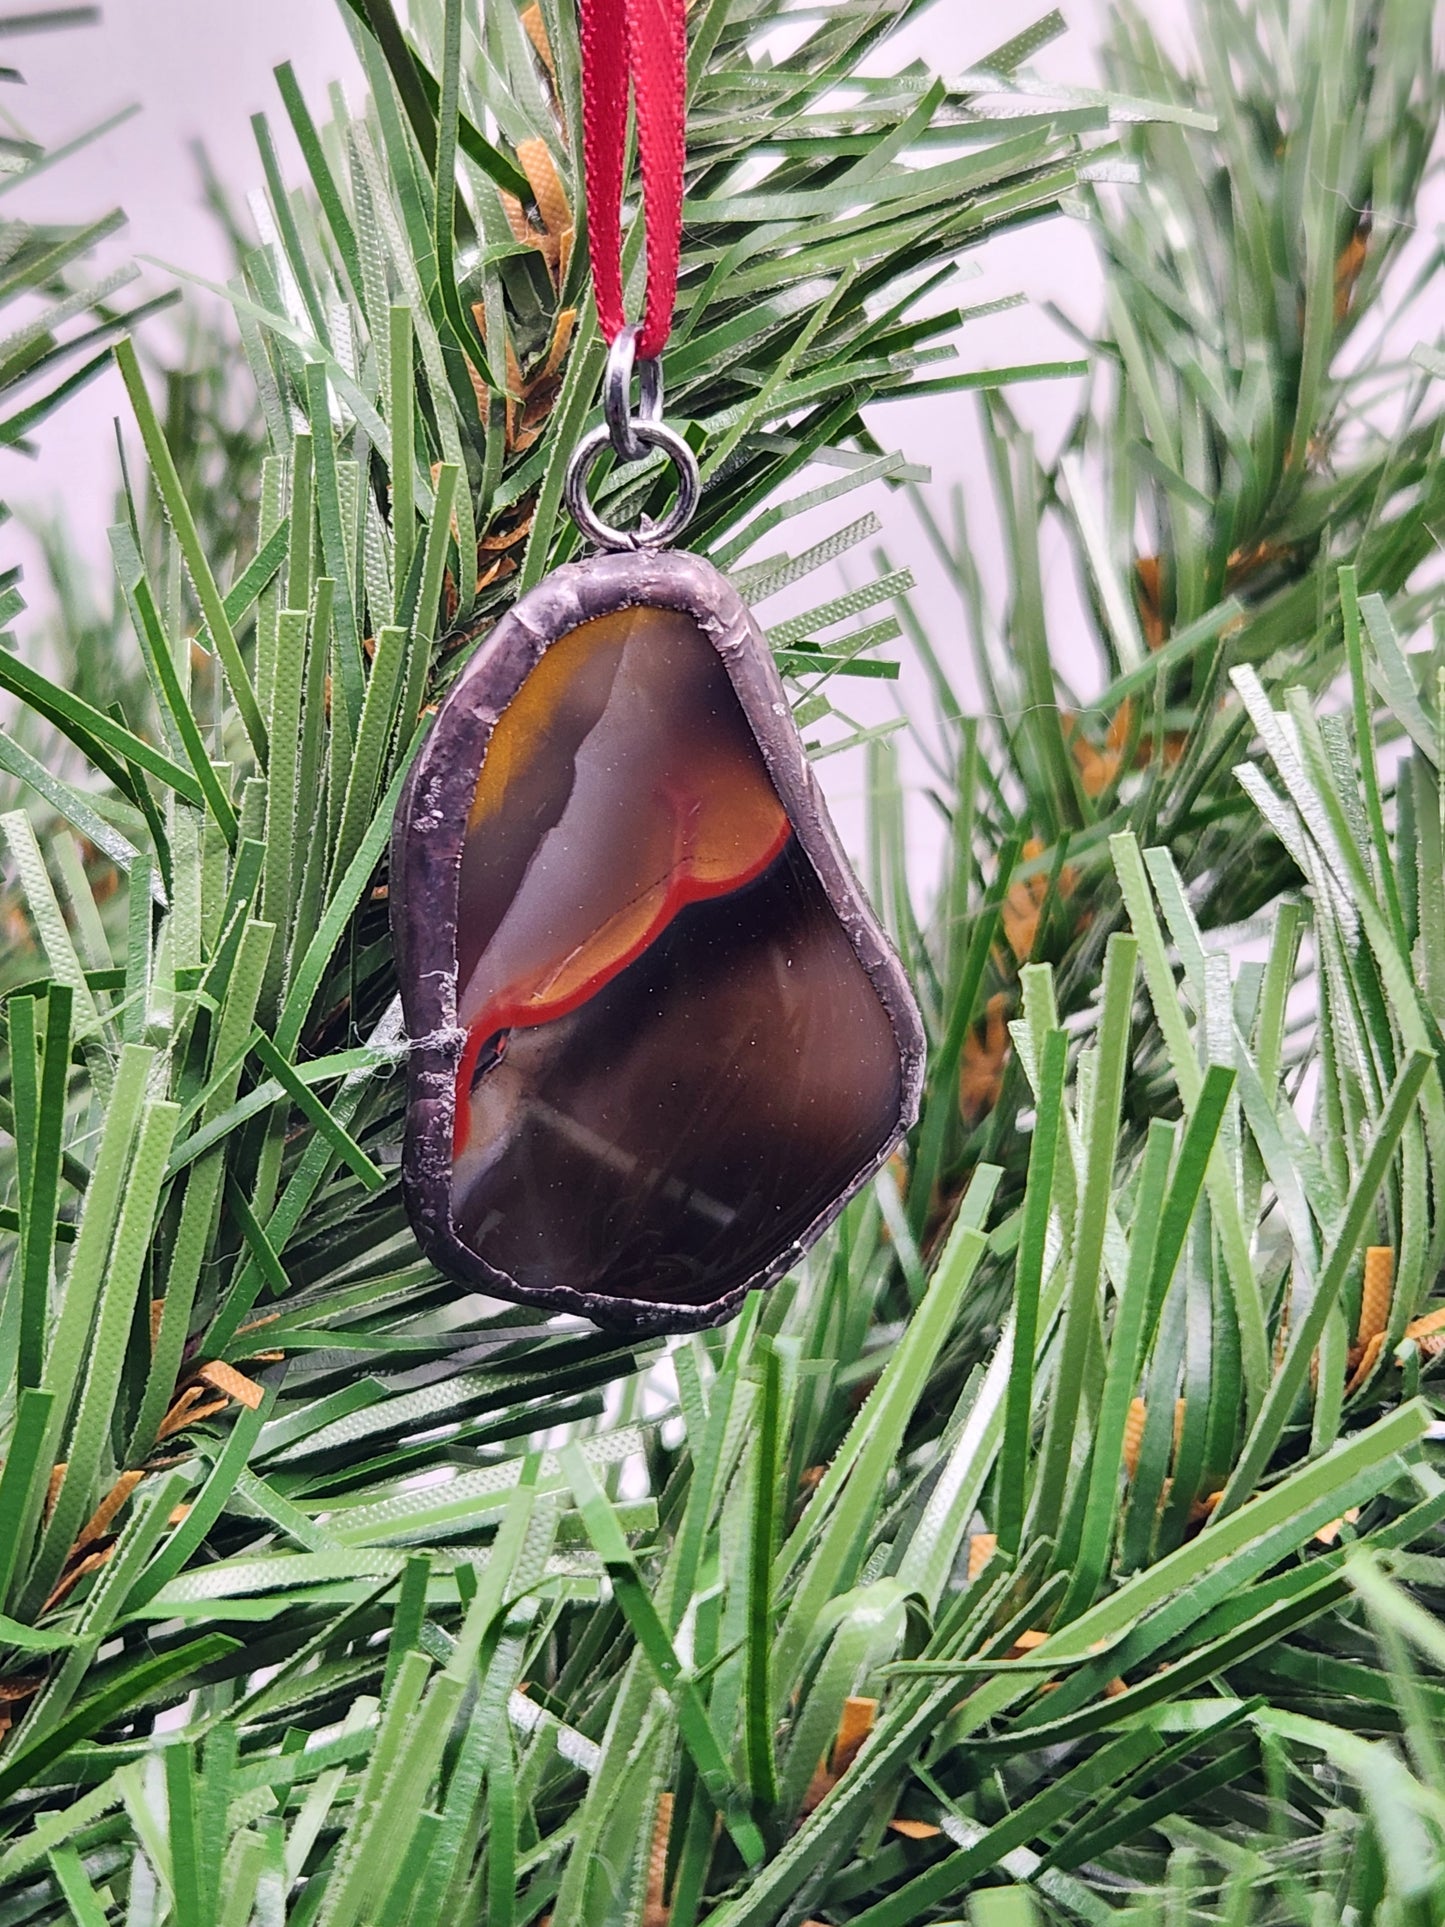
[642,43]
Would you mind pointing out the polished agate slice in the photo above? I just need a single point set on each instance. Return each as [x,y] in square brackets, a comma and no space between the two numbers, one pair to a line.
[658,1038]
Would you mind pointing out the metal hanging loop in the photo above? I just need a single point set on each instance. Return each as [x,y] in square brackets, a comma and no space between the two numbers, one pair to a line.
[648,534]
[632,438]
[617,393]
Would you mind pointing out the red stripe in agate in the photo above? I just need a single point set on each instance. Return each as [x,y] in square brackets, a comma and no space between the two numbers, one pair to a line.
[514,1009]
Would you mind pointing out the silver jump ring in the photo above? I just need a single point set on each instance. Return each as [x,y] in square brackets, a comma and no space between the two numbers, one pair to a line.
[617,394]
[648,534]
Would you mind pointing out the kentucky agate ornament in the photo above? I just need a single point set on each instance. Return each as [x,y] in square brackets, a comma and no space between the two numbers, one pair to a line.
[659,1039]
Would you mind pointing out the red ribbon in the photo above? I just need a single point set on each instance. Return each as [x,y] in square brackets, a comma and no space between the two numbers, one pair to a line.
[643,42]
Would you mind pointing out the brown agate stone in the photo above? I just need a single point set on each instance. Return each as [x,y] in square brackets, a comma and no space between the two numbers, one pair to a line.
[658,1037]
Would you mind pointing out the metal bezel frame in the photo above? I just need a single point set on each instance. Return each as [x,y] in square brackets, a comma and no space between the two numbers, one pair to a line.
[426,857]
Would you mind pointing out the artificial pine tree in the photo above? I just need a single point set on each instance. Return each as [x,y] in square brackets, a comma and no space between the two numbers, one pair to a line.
[1062,1542]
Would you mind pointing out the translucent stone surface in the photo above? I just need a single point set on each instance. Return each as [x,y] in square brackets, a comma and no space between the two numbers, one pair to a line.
[675,1060]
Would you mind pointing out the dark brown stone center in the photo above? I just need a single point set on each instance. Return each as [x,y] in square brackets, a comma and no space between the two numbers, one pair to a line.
[675,1060]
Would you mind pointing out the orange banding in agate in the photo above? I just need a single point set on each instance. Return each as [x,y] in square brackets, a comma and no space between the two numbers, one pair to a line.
[705,823]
